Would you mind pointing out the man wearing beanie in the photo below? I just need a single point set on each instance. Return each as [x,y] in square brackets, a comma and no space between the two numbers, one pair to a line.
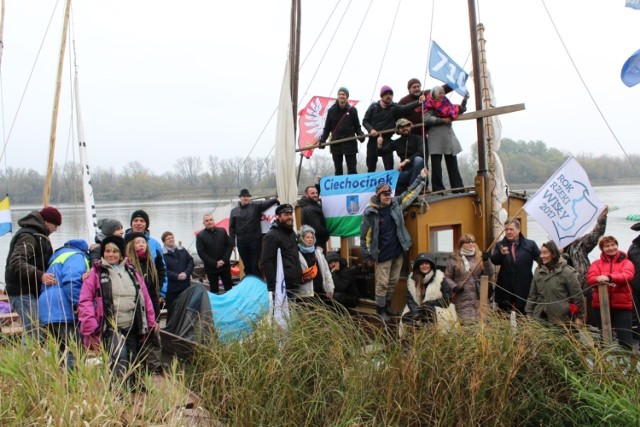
[29,253]
[140,224]
[342,122]
[384,239]
[380,116]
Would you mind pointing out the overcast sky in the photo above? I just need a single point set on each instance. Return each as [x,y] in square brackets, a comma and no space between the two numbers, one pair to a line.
[164,79]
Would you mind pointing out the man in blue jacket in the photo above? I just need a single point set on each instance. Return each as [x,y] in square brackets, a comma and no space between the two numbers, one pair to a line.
[58,302]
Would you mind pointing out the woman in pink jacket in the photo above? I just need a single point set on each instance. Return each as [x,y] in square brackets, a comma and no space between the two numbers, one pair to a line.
[615,271]
[115,309]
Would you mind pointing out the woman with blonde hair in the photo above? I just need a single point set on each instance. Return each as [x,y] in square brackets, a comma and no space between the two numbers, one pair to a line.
[463,272]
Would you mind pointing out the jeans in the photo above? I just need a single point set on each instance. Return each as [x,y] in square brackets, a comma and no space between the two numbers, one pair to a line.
[407,177]
[27,308]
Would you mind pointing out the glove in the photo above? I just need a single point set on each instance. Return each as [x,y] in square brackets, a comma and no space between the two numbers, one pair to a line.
[485,256]
[458,289]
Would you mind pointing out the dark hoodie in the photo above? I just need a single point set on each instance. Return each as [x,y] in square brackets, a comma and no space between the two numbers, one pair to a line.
[29,253]
[345,291]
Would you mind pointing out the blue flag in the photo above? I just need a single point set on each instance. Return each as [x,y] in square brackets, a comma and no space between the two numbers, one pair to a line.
[633,4]
[443,68]
[630,74]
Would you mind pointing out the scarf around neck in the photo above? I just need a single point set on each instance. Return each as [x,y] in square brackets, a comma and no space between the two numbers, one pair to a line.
[306,249]
[444,107]
[464,254]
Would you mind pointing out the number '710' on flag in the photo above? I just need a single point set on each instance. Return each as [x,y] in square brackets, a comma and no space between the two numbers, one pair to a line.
[566,205]
[443,68]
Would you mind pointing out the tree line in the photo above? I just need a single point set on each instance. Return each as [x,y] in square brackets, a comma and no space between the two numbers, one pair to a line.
[526,164]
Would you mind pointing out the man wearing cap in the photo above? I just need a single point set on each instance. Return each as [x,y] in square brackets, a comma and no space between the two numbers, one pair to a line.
[29,253]
[282,236]
[140,224]
[384,239]
[410,151]
[214,248]
[634,257]
[313,216]
[382,115]
[342,122]
[245,231]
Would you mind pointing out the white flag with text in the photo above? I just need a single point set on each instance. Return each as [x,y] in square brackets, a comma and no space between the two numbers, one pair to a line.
[281,306]
[566,205]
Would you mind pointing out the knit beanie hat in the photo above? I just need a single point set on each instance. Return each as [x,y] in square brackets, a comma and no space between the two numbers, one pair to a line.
[385,89]
[140,214]
[52,215]
[345,90]
[130,236]
[116,240]
[412,82]
[109,226]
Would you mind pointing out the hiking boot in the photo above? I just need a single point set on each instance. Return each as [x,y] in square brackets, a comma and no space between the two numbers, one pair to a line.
[382,314]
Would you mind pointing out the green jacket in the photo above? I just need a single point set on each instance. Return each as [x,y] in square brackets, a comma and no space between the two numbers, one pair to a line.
[551,292]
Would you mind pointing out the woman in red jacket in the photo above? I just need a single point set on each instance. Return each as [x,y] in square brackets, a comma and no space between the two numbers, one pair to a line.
[615,271]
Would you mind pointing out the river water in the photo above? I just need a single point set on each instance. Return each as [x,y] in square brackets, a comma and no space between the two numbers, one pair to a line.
[184,218]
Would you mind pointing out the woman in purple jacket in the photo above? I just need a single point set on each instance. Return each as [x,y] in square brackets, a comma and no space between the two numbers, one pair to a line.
[115,309]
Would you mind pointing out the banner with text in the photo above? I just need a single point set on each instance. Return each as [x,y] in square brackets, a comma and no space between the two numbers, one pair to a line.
[566,205]
[345,197]
[443,68]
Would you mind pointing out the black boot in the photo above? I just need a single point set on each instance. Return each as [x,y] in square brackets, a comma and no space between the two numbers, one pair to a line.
[381,312]
[390,312]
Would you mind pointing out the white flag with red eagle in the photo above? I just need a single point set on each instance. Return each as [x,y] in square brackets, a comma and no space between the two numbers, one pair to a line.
[311,121]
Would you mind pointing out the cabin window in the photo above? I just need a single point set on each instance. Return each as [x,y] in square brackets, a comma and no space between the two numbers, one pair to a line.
[443,238]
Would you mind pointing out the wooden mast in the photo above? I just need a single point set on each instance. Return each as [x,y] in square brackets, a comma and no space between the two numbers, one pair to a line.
[56,103]
[482,178]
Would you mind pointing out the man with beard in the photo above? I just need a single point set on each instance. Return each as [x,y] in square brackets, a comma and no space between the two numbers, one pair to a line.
[382,115]
[415,92]
[312,215]
[282,236]
[410,150]
[342,122]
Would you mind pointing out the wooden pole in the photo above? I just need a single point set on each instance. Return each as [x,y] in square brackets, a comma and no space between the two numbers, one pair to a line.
[605,315]
[484,297]
[56,103]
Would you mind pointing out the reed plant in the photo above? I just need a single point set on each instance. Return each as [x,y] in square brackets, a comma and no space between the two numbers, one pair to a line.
[37,389]
[327,369]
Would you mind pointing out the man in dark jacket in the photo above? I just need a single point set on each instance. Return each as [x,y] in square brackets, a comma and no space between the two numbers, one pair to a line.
[410,151]
[515,255]
[245,232]
[382,115]
[313,216]
[415,92]
[27,260]
[179,269]
[344,281]
[634,257]
[342,122]
[282,236]
[214,248]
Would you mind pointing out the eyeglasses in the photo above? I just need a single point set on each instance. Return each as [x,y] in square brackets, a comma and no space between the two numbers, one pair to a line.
[469,241]
[385,193]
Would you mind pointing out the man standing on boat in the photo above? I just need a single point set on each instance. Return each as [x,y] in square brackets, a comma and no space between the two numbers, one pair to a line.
[140,224]
[214,248]
[282,236]
[415,92]
[245,231]
[313,216]
[29,253]
[515,255]
[409,148]
[380,116]
[384,239]
[342,122]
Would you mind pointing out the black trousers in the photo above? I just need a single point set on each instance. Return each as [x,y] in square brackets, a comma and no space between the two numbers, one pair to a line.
[620,325]
[352,163]
[223,274]
[372,156]
[452,169]
[250,255]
